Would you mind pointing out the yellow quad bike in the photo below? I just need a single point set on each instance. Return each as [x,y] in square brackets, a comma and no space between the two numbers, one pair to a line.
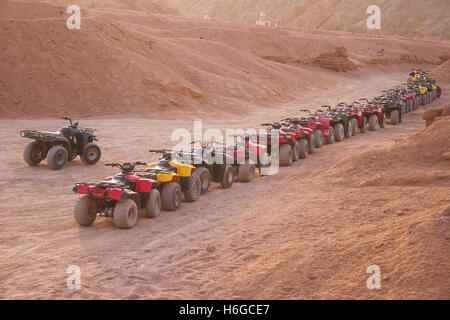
[173,178]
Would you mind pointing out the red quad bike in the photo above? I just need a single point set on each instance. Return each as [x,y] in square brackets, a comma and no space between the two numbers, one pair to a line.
[326,124]
[408,96]
[374,113]
[245,149]
[303,135]
[340,122]
[286,140]
[312,122]
[119,197]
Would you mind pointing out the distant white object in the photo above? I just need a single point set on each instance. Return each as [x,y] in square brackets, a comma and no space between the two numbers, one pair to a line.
[262,20]
[206,17]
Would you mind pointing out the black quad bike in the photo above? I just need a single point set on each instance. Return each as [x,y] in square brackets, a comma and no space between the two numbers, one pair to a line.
[61,146]
[340,121]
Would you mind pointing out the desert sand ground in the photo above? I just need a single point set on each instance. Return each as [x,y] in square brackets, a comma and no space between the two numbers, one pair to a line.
[309,232]
[295,235]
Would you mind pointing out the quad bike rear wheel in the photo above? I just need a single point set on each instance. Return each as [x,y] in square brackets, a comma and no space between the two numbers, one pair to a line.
[285,155]
[338,132]
[394,117]
[91,154]
[153,205]
[330,137]
[373,122]
[192,193]
[171,196]
[32,154]
[311,145]
[363,128]
[318,138]
[404,106]
[228,177]
[383,121]
[246,172]
[125,214]
[354,124]
[205,178]
[56,157]
[422,100]
[295,150]
[302,148]
[349,132]
[85,211]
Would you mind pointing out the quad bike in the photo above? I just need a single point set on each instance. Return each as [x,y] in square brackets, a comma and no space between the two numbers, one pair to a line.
[392,107]
[373,113]
[327,125]
[320,128]
[173,178]
[62,146]
[120,197]
[287,142]
[214,163]
[340,121]
[304,138]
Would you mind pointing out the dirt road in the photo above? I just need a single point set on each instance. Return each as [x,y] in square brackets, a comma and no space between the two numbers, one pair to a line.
[286,236]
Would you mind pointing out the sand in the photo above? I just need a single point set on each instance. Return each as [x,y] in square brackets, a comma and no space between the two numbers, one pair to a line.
[309,232]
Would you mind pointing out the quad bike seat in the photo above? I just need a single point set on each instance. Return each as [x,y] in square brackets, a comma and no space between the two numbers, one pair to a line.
[163,166]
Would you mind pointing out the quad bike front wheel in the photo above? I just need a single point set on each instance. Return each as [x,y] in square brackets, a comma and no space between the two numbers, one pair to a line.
[373,122]
[285,155]
[354,125]
[85,211]
[192,193]
[32,154]
[302,148]
[125,214]
[294,150]
[318,137]
[330,137]
[91,154]
[227,177]
[339,132]
[383,121]
[363,128]
[246,172]
[205,178]
[171,196]
[57,157]
[153,205]
[394,117]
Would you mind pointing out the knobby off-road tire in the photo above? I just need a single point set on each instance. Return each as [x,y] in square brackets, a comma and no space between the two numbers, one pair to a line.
[56,157]
[85,211]
[422,100]
[246,172]
[330,138]
[192,192]
[339,132]
[373,122]
[294,153]
[205,178]
[383,121]
[228,177]
[394,117]
[355,127]
[153,205]
[91,154]
[285,155]
[302,148]
[349,132]
[363,128]
[32,153]
[125,214]
[318,138]
[171,196]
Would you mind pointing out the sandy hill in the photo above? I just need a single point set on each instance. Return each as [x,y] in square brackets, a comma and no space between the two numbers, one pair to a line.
[414,161]
[138,61]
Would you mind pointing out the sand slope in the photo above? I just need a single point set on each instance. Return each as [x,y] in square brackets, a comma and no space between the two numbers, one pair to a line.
[137,62]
